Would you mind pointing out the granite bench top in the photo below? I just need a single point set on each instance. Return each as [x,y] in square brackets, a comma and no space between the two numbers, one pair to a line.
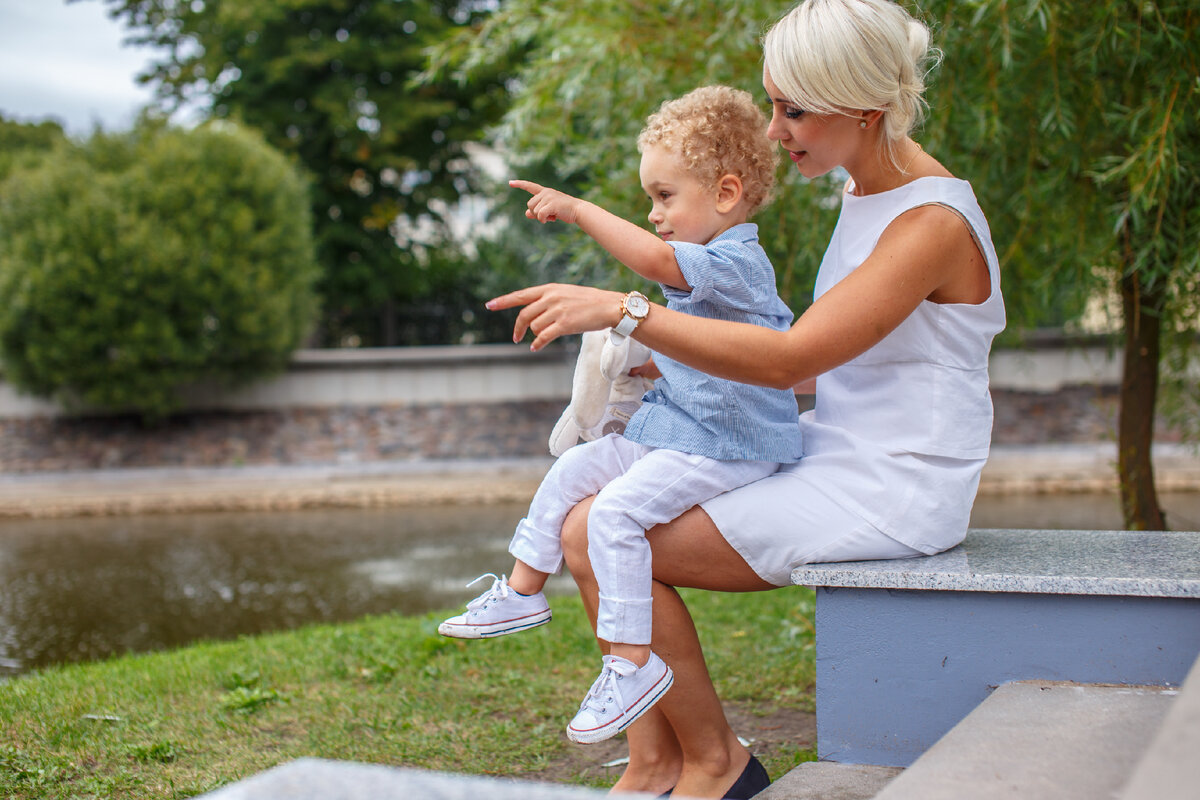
[1128,563]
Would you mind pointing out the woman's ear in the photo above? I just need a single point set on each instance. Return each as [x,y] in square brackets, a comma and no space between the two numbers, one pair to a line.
[729,193]
[869,118]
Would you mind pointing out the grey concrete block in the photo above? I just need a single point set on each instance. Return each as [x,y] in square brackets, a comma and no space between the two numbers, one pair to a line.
[827,780]
[1170,769]
[318,779]
[1034,740]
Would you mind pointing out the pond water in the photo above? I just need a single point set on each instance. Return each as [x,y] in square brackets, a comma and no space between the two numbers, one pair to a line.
[84,589]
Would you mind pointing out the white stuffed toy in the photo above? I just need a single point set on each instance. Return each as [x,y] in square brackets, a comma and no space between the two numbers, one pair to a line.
[603,394]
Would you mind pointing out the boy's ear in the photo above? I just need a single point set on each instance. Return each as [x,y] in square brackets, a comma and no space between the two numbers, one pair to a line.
[729,192]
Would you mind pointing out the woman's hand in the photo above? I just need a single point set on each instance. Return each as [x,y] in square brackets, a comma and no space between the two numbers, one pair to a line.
[548,205]
[556,309]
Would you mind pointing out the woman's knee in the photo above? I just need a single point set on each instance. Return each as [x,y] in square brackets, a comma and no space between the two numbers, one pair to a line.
[575,536]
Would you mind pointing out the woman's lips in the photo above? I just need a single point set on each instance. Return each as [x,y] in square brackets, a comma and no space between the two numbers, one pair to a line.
[796,155]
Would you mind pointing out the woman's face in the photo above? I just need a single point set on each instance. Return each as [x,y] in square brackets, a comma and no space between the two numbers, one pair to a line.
[816,143]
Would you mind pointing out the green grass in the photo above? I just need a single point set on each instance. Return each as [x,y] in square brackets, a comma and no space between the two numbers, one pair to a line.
[385,690]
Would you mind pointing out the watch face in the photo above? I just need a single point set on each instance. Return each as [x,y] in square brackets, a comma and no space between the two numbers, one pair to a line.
[637,305]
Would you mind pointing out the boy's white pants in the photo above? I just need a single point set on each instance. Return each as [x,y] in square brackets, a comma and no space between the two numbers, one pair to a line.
[636,488]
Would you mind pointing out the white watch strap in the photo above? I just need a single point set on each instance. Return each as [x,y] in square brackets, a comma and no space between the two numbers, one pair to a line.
[626,326]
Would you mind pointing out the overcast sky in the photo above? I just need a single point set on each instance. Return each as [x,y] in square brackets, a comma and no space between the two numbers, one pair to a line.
[66,61]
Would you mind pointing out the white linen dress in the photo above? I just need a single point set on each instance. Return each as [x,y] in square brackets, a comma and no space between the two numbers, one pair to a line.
[898,436]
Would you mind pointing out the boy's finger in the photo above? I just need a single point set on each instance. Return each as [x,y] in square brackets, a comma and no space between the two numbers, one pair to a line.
[528,186]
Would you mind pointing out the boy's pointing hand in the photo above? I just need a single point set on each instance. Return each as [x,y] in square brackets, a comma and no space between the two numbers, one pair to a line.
[548,205]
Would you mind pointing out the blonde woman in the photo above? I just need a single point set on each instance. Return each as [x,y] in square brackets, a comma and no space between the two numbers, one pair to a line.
[907,301]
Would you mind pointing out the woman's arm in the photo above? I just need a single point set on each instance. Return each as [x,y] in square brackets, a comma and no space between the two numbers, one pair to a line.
[635,247]
[926,252]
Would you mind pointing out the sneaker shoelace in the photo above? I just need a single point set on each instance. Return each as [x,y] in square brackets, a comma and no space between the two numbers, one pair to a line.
[604,690]
[499,591]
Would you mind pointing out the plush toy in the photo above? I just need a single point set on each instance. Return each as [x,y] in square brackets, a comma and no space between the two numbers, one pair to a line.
[603,393]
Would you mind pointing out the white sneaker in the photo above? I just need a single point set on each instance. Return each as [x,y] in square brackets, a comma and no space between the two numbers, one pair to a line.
[622,693]
[497,611]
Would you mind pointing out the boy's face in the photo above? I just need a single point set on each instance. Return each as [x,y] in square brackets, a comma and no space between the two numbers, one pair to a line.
[682,209]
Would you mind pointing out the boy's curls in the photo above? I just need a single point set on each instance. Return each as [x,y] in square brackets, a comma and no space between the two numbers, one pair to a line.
[717,130]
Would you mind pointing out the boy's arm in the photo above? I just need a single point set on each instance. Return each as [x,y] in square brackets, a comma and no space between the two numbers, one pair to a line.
[635,247]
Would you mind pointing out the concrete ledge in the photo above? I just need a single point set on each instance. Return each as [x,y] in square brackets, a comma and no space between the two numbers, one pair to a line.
[317,779]
[152,491]
[825,780]
[497,372]
[1039,741]
[1082,467]
[1170,769]
[1127,563]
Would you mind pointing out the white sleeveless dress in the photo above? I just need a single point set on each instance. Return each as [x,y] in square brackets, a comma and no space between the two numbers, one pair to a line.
[898,436]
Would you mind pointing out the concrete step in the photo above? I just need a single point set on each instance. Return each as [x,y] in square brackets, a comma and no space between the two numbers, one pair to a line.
[1170,769]
[1037,739]
[828,780]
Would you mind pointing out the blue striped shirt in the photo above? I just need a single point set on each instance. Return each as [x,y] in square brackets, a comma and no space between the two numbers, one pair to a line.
[689,411]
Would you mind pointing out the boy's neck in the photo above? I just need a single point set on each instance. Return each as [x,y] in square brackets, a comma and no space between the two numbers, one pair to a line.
[732,223]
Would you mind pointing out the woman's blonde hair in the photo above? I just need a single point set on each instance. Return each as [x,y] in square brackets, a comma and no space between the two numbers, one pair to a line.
[717,131]
[834,56]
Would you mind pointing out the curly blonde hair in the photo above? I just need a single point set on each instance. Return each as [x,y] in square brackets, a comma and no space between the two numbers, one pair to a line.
[717,131]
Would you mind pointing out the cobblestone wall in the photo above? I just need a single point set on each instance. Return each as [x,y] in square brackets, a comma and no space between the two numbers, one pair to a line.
[414,432]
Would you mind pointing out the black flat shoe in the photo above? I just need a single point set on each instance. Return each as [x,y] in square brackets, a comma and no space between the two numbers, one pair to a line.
[754,779]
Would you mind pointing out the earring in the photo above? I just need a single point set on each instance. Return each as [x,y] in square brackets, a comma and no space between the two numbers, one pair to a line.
[862,123]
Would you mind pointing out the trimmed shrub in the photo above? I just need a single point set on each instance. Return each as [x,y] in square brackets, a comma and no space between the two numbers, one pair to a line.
[137,264]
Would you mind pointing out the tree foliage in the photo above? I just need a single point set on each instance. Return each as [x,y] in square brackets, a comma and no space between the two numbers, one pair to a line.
[1075,121]
[135,265]
[327,81]
[23,144]
[1079,124]
[591,72]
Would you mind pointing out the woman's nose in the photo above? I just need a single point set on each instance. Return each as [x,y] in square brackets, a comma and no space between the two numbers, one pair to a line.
[775,131]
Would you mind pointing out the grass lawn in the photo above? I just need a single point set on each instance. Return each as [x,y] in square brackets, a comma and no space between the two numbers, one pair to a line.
[386,690]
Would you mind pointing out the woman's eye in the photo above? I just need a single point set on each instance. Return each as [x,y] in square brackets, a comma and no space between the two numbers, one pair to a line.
[793,113]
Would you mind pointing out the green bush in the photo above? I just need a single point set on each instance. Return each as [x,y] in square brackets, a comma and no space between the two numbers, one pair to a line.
[137,264]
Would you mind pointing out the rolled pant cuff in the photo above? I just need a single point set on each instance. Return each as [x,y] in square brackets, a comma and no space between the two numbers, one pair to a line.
[624,621]
[538,549]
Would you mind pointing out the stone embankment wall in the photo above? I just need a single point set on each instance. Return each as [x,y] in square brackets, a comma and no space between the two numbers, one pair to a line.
[480,402]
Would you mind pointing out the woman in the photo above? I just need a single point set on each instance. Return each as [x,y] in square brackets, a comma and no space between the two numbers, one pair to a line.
[907,302]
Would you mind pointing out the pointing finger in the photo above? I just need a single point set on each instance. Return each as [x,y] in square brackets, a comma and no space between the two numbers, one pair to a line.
[528,186]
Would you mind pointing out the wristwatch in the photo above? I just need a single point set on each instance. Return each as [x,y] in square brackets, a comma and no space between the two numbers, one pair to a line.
[634,308]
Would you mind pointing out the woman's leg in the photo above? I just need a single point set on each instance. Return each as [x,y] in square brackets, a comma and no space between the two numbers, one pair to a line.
[655,758]
[685,740]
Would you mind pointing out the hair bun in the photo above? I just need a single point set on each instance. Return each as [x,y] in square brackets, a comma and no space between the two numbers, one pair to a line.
[918,42]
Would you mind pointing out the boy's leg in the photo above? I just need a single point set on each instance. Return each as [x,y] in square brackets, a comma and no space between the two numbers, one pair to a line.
[657,489]
[580,472]
[654,491]
[511,606]
[526,580]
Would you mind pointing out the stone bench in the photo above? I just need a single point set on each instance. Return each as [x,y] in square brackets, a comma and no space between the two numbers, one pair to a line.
[907,648]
